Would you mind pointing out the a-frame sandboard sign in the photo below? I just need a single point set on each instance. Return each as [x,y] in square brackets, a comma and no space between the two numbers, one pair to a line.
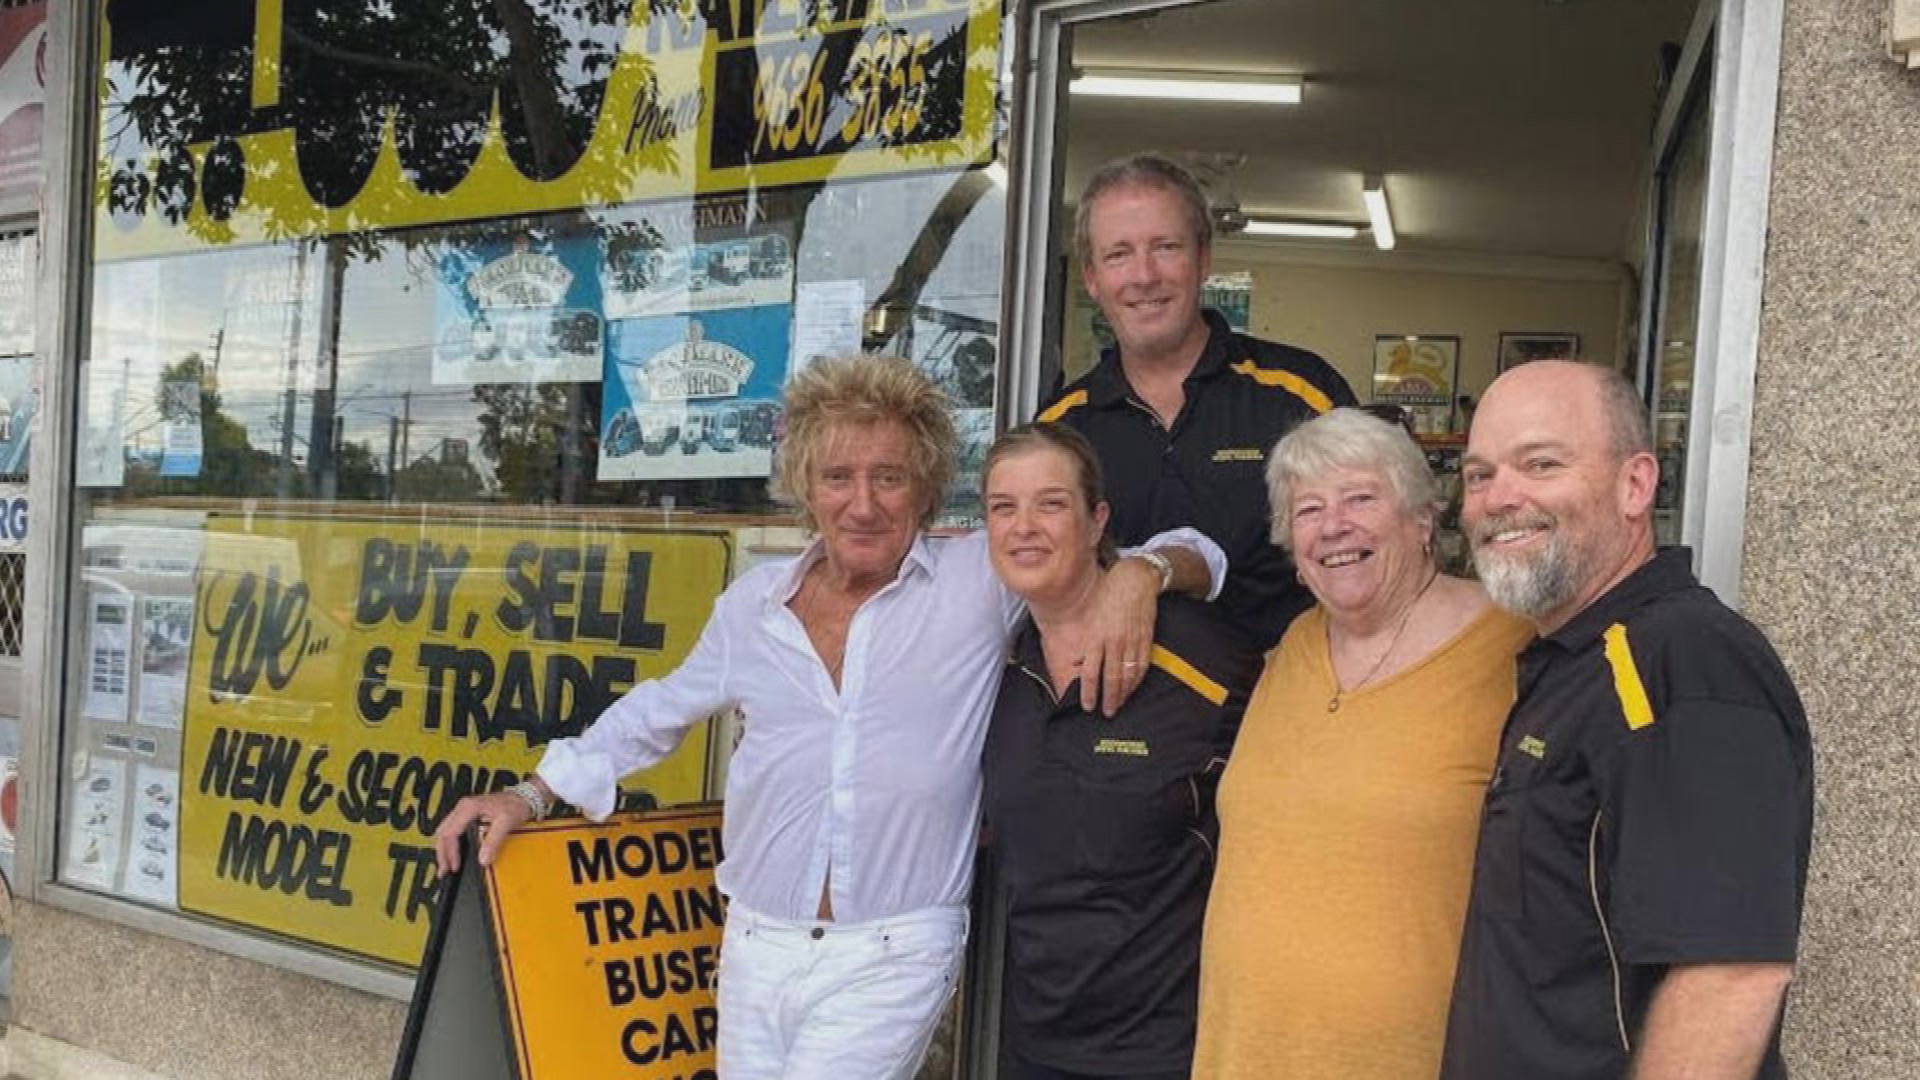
[585,951]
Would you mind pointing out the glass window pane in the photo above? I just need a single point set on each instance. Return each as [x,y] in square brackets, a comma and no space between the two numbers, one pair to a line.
[1683,202]
[434,375]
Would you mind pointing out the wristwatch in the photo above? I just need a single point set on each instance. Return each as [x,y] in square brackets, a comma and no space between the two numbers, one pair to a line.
[1158,562]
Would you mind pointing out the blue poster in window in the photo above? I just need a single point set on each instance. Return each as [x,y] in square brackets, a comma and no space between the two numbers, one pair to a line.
[181,439]
[520,311]
[694,396]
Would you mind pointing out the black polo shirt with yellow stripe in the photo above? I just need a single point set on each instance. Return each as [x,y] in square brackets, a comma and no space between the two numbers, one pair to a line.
[1651,807]
[1208,470]
[1104,831]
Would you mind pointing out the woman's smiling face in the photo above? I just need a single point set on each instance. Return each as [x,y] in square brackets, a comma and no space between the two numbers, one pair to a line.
[1354,541]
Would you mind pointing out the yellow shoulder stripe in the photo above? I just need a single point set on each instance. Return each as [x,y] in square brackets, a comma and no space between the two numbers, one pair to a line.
[1288,381]
[1187,673]
[1626,679]
[1062,407]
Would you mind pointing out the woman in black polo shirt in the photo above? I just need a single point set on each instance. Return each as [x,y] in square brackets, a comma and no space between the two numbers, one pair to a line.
[1103,827]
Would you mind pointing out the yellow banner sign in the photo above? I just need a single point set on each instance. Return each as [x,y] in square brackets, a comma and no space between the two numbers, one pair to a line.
[351,679]
[329,119]
[607,940]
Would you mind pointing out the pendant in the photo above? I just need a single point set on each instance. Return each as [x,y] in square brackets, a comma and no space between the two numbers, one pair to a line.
[1333,703]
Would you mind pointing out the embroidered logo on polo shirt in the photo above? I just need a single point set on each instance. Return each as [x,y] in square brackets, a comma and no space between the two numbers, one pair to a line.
[1534,746]
[1239,453]
[1128,747]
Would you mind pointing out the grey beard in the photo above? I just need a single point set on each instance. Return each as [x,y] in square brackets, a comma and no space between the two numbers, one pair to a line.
[1530,587]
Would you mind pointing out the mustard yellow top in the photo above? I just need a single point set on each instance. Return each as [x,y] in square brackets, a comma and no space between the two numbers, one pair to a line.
[1346,850]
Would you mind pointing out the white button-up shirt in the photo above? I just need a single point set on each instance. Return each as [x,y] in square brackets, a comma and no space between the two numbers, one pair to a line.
[877,781]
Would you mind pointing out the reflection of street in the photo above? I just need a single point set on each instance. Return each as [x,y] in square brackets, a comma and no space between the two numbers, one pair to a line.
[958,352]
[975,430]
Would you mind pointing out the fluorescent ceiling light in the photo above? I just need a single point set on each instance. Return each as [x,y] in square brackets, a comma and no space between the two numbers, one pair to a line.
[1316,230]
[1189,86]
[1378,213]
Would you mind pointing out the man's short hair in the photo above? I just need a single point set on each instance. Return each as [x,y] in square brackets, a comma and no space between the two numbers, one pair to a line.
[1628,429]
[1143,171]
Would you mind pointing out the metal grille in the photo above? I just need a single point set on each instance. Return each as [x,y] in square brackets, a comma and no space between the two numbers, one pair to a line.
[13,591]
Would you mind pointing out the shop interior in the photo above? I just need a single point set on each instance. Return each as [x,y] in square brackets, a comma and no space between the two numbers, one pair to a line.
[1436,193]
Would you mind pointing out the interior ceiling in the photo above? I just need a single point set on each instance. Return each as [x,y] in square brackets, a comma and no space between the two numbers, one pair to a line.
[1505,127]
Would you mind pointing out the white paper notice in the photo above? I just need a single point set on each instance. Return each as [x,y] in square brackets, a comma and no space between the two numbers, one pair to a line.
[827,320]
[98,818]
[166,633]
[151,872]
[109,656]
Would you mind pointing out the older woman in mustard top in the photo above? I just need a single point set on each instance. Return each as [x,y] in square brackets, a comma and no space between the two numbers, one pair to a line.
[1349,810]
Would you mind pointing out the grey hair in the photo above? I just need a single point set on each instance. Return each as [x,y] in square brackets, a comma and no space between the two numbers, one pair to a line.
[858,390]
[1627,426]
[1348,438]
[1155,171]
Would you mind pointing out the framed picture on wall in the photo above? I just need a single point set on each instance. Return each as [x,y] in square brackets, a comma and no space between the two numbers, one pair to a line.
[1524,347]
[1420,373]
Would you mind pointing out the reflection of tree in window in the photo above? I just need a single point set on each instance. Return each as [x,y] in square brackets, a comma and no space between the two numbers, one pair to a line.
[181,75]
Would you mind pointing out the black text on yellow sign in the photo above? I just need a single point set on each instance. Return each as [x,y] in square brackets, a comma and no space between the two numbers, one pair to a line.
[350,680]
[608,943]
[333,118]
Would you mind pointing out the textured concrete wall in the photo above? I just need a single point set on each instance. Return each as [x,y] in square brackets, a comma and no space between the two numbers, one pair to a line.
[190,1013]
[1832,520]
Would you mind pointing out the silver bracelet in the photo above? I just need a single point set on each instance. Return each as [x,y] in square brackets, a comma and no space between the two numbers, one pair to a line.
[529,794]
[1158,562]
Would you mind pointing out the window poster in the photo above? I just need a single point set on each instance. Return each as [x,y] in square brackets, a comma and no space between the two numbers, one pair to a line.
[9,792]
[182,443]
[95,822]
[17,258]
[827,319]
[14,517]
[349,679]
[19,404]
[713,255]
[151,872]
[23,92]
[1230,294]
[109,655]
[166,636]
[695,395]
[524,310]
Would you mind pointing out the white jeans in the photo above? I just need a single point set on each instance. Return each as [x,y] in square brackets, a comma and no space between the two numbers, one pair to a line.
[834,1001]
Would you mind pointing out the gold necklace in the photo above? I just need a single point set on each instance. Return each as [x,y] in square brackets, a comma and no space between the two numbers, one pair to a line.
[1333,703]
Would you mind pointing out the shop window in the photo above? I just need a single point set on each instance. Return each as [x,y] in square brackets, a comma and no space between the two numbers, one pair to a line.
[1682,205]
[435,370]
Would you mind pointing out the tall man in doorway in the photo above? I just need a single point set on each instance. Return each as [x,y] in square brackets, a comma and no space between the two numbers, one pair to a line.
[1643,846]
[1182,409]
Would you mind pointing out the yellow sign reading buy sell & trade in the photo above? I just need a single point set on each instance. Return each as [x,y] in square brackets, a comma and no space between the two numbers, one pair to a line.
[352,678]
